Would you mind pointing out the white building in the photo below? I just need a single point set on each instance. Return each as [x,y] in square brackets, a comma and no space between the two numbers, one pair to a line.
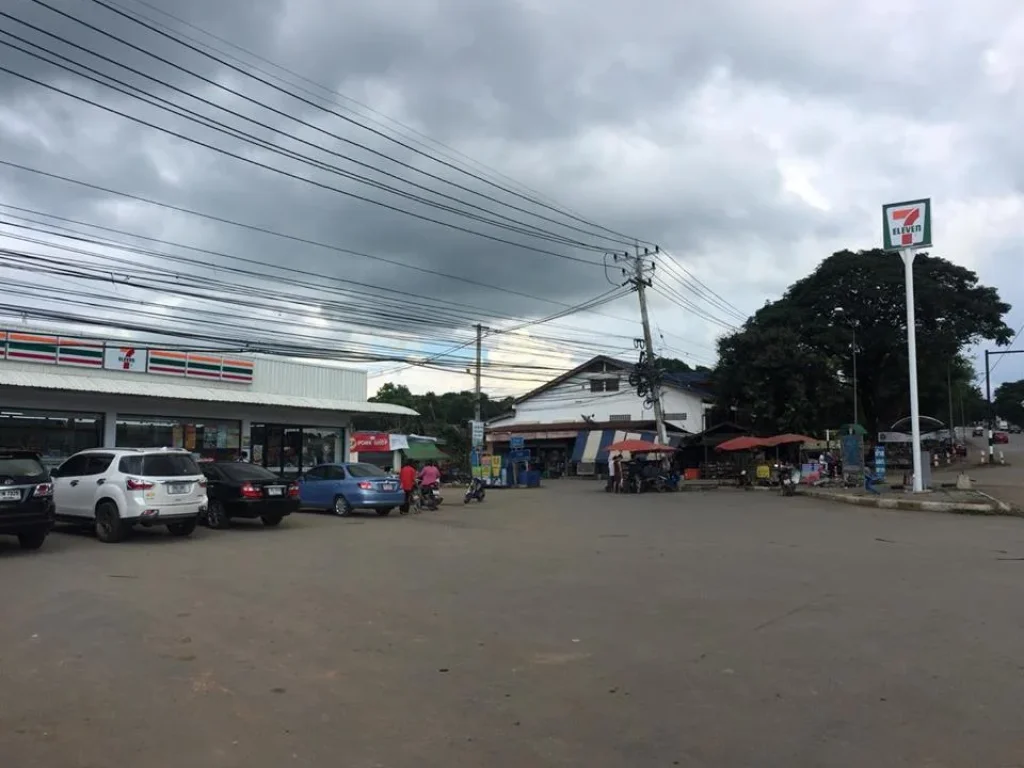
[572,417]
[61,394]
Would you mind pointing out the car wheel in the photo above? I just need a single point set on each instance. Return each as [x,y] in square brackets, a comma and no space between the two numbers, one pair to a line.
[184,528]
[32,540]
[384,512]
[110,528]
[217,516]
[341,506]
[271,520]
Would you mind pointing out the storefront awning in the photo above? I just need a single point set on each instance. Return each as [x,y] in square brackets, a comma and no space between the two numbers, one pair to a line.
[592,444]
[424,452]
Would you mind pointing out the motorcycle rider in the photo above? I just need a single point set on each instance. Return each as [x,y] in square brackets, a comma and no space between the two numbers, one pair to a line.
[430,478]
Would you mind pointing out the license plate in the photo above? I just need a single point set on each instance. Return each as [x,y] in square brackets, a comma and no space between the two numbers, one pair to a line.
[178,488]
[275,491]
[388,486]
[10,495]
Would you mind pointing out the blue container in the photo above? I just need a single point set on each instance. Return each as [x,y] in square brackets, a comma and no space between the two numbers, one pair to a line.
[532,478]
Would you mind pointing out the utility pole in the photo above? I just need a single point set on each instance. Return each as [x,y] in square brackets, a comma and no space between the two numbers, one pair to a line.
[949,387]
[479,362]
[641,282]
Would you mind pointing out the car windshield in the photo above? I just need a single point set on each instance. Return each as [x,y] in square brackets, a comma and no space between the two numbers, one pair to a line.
[242,472]
[169,465]
[21,468]
[366,470]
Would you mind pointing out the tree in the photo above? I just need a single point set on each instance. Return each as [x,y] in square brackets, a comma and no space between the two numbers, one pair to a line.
[1009,401]
[791,364]
[445,416]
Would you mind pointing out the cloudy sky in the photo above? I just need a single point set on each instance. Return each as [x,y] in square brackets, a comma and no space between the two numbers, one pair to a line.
[750,140]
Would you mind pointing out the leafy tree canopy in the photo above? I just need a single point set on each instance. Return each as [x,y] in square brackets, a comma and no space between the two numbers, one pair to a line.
[1009,401]
[790,367]
[445,416]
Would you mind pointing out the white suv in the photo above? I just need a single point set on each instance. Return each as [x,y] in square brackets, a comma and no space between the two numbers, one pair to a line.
[116,488]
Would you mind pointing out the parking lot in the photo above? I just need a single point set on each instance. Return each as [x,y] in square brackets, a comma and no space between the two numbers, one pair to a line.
[559,626]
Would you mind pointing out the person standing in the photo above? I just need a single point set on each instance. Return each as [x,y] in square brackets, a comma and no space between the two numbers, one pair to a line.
[611,473]
[617,466]
[407,478]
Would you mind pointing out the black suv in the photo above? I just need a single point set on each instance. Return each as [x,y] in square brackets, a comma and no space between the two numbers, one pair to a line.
[26,498]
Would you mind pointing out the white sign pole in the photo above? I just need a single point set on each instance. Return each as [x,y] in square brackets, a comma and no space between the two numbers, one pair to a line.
[915,410]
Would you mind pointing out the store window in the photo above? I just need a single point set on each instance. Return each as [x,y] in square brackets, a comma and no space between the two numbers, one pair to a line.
[291,450]
[55,435]
[209,438]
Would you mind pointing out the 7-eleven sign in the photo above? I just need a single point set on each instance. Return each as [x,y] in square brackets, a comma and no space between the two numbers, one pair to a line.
[907,225]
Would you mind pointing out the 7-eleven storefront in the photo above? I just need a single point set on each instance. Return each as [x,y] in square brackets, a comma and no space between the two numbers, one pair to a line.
[62,394]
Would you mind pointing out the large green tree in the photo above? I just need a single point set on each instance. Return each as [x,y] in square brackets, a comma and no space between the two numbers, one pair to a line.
[1009,401]
[791,365]
[445,416]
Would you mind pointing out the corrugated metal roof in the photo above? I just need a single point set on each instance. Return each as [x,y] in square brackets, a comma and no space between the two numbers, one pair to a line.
[146,387]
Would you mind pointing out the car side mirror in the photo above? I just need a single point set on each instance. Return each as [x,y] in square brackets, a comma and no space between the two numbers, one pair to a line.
[55,472]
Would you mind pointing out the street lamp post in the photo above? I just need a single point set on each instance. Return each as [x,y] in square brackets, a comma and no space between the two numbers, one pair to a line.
[853,329]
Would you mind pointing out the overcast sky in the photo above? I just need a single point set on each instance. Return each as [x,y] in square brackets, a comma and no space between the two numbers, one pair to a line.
[749,139]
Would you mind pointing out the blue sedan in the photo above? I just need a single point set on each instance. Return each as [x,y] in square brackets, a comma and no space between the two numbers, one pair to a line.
[344,488]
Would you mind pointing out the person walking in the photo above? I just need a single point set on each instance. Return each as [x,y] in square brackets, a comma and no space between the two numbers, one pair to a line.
[407,478]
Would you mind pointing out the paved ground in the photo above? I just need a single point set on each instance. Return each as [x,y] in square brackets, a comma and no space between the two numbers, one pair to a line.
[557,627]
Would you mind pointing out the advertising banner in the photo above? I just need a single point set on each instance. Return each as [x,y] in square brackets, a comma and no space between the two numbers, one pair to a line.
[374,442]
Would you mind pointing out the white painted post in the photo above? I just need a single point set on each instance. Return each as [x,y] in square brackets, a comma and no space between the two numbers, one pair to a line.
[908,263]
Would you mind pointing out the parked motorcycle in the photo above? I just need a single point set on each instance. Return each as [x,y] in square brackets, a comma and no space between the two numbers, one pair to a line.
[476,490]
[789,478]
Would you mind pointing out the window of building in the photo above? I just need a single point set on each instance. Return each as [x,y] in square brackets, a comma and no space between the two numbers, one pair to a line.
[54,435]
[215,439]
[620,417]
[604,385]
[290,450]
[675,416]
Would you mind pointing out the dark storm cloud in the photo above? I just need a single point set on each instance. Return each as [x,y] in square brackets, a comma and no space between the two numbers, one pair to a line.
[603,108]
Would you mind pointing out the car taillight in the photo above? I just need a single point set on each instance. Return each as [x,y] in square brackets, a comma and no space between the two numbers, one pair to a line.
[42,490]
[366,486]
[250,491]
[293,491]
[135,484]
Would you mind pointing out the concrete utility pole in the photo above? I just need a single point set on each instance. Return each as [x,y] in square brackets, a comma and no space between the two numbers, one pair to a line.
[641,282]
[479,362]
[991,402]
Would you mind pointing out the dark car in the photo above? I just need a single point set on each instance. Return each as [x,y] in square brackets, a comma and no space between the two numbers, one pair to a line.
[236,489]
[26,498]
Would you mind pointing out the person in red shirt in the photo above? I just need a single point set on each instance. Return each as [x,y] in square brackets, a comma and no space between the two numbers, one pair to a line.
[407,477]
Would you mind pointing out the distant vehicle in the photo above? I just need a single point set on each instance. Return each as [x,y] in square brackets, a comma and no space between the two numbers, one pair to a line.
[241,490]
[978,432]
[1014,429]
[1000,437]
[344,488]
[26,498]
[116,488]
[1001,424]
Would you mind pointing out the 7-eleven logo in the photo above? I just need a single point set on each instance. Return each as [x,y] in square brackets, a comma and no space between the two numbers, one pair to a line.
[127,357]
[907,225]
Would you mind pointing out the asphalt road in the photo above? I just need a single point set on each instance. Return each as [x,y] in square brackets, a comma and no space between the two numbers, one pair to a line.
[556,627]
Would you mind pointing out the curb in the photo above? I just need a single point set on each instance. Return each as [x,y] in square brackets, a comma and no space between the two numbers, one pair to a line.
[993,507]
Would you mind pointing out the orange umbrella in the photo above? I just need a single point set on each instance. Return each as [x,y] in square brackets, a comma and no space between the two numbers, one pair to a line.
[640,446]
[787,439]
[744,443]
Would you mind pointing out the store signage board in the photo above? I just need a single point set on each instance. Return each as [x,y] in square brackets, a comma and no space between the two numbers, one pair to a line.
[516,442]
[907,225]
[477,430]
[125,359]
[374,442]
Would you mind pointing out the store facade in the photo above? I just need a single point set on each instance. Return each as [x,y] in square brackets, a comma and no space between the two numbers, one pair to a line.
[59,395]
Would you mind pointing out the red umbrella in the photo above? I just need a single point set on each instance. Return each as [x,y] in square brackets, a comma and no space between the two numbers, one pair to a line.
[744,443]
[788,438]
[640,446]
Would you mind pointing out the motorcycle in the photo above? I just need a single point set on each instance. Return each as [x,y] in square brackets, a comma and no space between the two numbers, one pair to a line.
[788,481]
[476,490]
[428,497]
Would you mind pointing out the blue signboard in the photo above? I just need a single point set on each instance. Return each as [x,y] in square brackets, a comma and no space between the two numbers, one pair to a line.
[474,458]
[519,454]
[853,453]
[880,461]
[516,442]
